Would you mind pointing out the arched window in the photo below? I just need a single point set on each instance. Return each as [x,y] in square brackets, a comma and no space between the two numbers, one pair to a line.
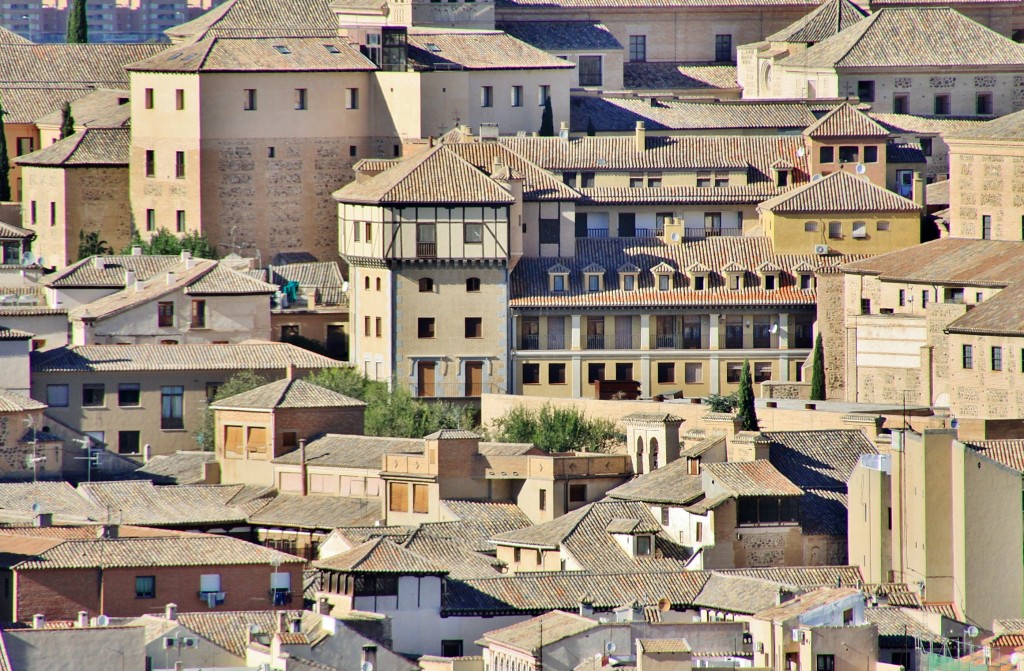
[473,284]
[654,453]
[366,282]
[426,285]
[639,455]
[378,284]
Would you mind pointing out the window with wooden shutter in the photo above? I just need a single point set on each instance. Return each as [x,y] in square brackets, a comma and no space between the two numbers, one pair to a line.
[233,439]
[398,497]
[257,439]
[420,499]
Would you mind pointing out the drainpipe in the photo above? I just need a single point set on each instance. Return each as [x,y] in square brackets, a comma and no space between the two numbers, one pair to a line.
[302,466]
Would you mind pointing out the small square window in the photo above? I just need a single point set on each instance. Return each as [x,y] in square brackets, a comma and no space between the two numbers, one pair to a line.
[666,372]
[732,372]
[93,395]
[425,327]
[474,233]
[128,395]
[595,372]
[145,587]
[531,373]
[577,493]
[871,154]
[826,155]
[473,284]
[474,327]
[556,373]
[694,373]
[849,154]
[57,395]
[128,442]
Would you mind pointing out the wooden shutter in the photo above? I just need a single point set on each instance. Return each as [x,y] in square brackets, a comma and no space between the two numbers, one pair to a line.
[420,499]
[233,439]
[398,497]
[257,439]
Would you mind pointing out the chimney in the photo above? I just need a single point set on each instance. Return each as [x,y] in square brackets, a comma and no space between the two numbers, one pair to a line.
[289,371]
[147,453]
[302,466]
[106,531]
[129,279]
[641,136]
[919,189]
[496,164]
[136,251]
[586,609]
[38,621]
[139,284]
[44,520]
[171,612]
[185,255]
[171,278]
[282,621]
[99,262]
[83,619]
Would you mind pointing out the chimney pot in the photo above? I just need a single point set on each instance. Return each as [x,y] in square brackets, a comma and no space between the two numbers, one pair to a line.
[185,255]
[129,279]
[38,621]
[83,619]
[171,278]
[136,251]
[147,453]
[99,262]
[641,136]
[44,520]
[171,612]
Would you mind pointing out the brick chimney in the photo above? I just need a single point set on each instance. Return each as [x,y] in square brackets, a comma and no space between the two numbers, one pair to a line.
[171,612]
[641,136]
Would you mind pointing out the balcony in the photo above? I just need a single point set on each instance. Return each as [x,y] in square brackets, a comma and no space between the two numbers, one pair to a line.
[649,232]
[535,342]
[529,342]
[617,341]
[677,341]
[701,233]
[597,232]
[426,250]
[454,389]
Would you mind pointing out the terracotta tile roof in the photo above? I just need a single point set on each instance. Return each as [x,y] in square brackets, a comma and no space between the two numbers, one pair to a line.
[317,512]
[527,592]
[538,183]
[70,65]
[319,274]
[509,449]
[24,103]
[108,271]
[840,191]
[937,193]
[1006,640]
[533,634]
[180,550]
[287,393]
[751,478]
[12,402]
[896,622]
[258,54]
[102,108]
[818,459]
[669,76]
[229,629]
[478,522]
[1009,127]
[831,17]
[10,231]
[458,556]
[247,18]
[382,555]
[632,4]
[140,502]
[739,594]
[254,355]
[224,281]
[903,37]
[994,263]
[1008,625]
[664,646]
[562,35]
[805,577]
[7,333]
[1003,314]
[806,603]
[1009,453]
[607,114]
[11,37]
[184,467]
[476,50]
[529,282]
[58,498]
[350,451]
[438,175]
[939,125]
[846,121]
[92,147]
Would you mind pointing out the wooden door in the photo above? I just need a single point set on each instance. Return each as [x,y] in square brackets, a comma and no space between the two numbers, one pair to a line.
[474,378]
[425,378]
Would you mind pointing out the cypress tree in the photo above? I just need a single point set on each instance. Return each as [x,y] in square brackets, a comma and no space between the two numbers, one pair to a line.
[78,29]
[745,400]
[818,371]
[67,122]
[5,163]
[547,120]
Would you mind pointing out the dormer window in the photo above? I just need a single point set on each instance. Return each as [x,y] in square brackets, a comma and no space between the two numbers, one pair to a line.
[628,282]
[628,277]
[806,281]
[593,282]
[558,283]
[663,273]
[699,282]
[664,282]
[734,273]
[644,546]
[558,278]
[721,180]
[769,274]
[700,274]
[703,179]
[781,169]
[593,276]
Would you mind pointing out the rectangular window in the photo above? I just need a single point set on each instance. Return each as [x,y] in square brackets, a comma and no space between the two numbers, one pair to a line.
[587,180]
[637,48]
[148,98]
[128,442]
[925,295]
[694,372]
[453,648]
[420,499]
[865,306]
[486,96]
[53,214]
[849,154]
[516,96]
[866,90]
[595,372]
[352,99]
[826,663]
[666,372]
[474,327]
[549,231]
[150,163]
[172,407]
[249,104]
[93,395]
[997,358]
[903,298]
[150,219]
[986,227]
[145,587]
[378,326]
[723,48]
[590,69]
[531,373]
[556,373]
[900,103]
[198,314]
[179,164]
[882,226]
[543,93]
[398,497]
[941,104]
[577,493]
[179,220]
[128,395]
[542,499]
[179,99]
[165,314]
[835,229]
[983,104]
[57,395]
[732,372]
[826,154]
[25,145]
[623,372]
[425,327]
[366,326]
[34,217]
[643,545]
[762,372]
[301,99]
[474,234]
[871,154]
[721,180]
[967,357]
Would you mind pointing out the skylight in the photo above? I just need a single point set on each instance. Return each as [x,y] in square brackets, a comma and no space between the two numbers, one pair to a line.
[281,49]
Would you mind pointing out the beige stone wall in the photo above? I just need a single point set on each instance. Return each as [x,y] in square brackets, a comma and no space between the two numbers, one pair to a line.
[982,391]
[47,189]
[986,179]
[12,132]
[830,292]
[741,547]
[370,347]
[854,648]
[870,536]
[311,323]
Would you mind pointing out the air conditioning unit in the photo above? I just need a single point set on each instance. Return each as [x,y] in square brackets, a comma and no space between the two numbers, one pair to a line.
[189,642]
[170,642]
[760,647]
[821,250]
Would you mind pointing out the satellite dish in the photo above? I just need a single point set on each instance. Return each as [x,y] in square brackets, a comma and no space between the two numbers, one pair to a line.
[664,605]
[255,629]
[344,287]
[954,423]
[366,666]
[774,328]
[36,507]
[860,169]
[102,621]
[972,631]
[800,151]
[609,647]
[28,258]
[815,177]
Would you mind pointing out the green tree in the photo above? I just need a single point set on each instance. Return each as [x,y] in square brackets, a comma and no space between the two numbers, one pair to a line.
[199,245]
[78,27]
[91,244]
[241,381]
[555,429]
[719,403]
[67,122]
[818,371]
[547,120]
[5,162]
[745,400]
[165,242]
